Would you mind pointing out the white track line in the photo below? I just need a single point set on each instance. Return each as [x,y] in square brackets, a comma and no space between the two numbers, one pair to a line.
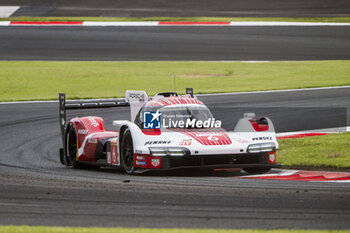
[276,91]
[183,24]
[213,94]
[4,23]
[56,101]
[337,181]
[277,172]
[285,173]
[7,11]
[326,130]
[257,23]
[123,24]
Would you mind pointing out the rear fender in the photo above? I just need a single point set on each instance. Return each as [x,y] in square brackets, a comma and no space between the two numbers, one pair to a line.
[85,126]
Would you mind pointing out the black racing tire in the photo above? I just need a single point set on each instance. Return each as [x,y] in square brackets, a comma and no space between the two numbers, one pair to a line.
[127,152]
[257,170]
[72,147]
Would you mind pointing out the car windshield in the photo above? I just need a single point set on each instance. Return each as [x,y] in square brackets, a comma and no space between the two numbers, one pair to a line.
[176,113]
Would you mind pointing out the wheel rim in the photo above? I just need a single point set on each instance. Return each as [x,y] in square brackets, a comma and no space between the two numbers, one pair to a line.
[128,152]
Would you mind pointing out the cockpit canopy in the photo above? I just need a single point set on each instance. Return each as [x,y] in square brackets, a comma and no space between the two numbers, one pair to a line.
[176,112]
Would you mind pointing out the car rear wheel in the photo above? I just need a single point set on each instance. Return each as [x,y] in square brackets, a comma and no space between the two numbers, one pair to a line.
[72,147]
[256,170]
[127,152]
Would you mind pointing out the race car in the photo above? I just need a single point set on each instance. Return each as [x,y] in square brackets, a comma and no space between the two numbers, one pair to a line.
[165,132]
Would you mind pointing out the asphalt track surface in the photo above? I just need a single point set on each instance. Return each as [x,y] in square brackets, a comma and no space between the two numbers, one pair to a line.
[174,43]
[37,190]
[182,8]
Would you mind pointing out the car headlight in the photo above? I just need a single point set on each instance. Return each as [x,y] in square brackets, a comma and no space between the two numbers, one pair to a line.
[158,151]
[164,151]
[262,147]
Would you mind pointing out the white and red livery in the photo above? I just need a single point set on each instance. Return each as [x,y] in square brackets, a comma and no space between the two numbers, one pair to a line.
[251,145]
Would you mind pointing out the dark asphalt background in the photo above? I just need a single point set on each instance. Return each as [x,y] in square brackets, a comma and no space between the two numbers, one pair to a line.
[174,43]
[181,8]
[37,190]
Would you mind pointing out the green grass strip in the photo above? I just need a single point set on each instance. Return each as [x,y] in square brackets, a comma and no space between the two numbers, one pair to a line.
[318,151]
[30,229]
[39,80]
[179,19]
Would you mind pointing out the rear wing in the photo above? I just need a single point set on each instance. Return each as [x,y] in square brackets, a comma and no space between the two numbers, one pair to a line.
[83,104]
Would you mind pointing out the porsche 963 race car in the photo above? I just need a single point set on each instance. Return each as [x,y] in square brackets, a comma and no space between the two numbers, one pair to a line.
[165,132]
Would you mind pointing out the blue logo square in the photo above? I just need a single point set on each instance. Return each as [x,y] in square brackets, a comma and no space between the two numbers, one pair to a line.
[151,120]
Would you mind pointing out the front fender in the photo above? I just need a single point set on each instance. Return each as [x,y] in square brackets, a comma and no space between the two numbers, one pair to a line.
[138,137]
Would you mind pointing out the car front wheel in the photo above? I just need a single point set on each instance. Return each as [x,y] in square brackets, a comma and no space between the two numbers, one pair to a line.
[127,152]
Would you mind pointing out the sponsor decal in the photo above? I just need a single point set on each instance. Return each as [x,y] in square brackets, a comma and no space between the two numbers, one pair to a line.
[213,137]
[135,95]
[114,154]
[209,137]
[272,157]
[139,157]
[83,131]
[156,142]
[114,150]
[155,162]
[240,140]
[185,142]
[142,163]
[93,122]
[261,138]
[92,140]
[109,157]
